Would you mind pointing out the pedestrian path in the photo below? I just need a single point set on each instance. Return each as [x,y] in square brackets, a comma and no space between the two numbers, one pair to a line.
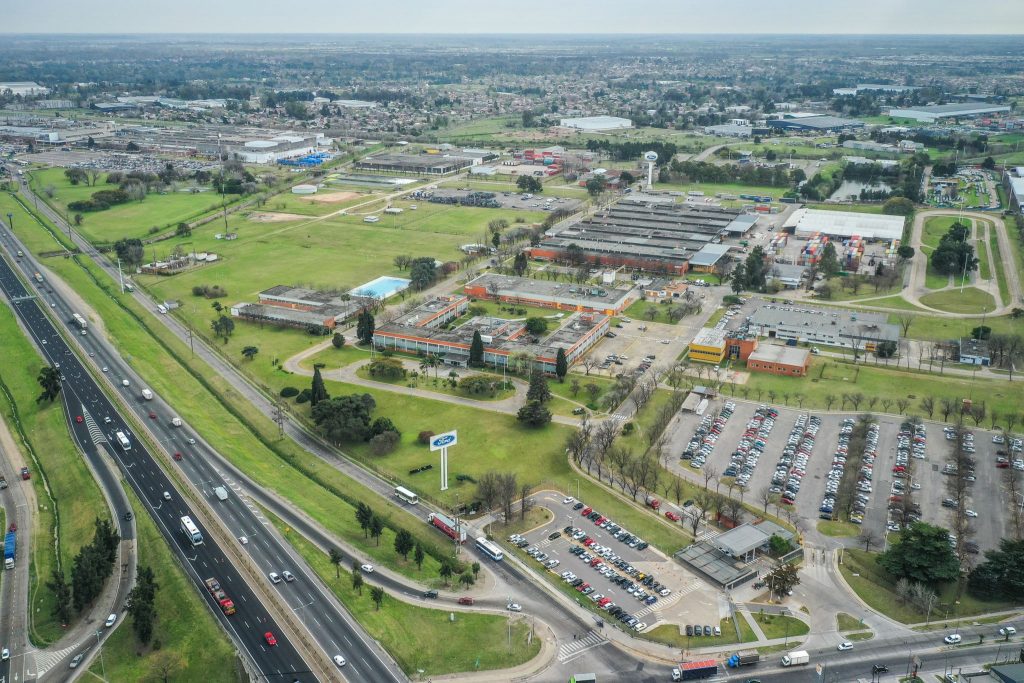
[708,534]
[665,602]
[574,648]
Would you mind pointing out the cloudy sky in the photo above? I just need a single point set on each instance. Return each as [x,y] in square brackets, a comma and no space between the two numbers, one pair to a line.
[520,16]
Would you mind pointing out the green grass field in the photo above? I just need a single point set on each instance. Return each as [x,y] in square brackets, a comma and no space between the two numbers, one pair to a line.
[844,378]
[26,226]
[875,587]
[133,219]
[639,311]
[968,300]
[553,187]
[859,208]
[76,500]
[839,529]
[472,641]
[892,302]
[997,260]
[780,625]
[669,634]
[192,645]
[984,270]
[935,328]
[303,205]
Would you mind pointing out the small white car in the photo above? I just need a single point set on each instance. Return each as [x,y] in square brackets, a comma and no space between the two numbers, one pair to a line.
[191,442]
[243,540]
[110,620]
[970,513]
[568,500]
[167,495]
[288,576]
[952,639]
[339,660]
[274,578]
[5,654]
[514,607]
[125,382]
[1007,630]
[844,646]
[368,568]
[105,368]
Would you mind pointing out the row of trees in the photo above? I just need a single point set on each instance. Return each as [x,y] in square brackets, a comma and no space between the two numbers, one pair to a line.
[90,569]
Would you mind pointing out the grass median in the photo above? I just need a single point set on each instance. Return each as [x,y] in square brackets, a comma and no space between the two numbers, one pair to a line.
[188,644]
[471,641]
[68,498]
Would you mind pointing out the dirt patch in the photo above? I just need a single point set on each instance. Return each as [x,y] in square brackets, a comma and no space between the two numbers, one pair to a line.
[331,197]
[275,217]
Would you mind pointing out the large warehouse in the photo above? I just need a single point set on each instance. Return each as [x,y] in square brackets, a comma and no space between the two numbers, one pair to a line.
[421,164]
[844,224]
[1014,182]
[658,238]
[597,123]
[816,124]
[936,112]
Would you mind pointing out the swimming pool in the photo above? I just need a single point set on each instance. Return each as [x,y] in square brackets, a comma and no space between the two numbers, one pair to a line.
[382,287]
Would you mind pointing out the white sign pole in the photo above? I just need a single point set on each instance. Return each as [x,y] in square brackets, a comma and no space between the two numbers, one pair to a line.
[441,442]
[444,469]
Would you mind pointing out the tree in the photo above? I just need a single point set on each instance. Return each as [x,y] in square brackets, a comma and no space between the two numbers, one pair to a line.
[596,185]
[365,327]
[336,559]
[404,543]
[756,270]
[905,252]
[539,390]
[376,528]
[782,579]
[898,206]
[130,251]
[928,405]
[363,515]
[141,604]
[828,264]
[527,183]
[75,175]
[384,443]
[536,326]
[318,390]
[377,595]
[402,261]
[626,179]
[467,579]
[885,349]
[446,570]
[989,163]
[739,278]
[534,414]
[78,218]
[1001,575]
[338,340]
[62,596]
[422,272]
[357,580]
[418,556]
[223,327]
[476,349]
[344,418]
[250,352]
[561,364]
[922,553]
[868,537]
[49,380]
[574,387]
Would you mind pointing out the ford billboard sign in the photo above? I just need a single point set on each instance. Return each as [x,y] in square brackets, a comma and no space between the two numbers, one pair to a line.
[439,441]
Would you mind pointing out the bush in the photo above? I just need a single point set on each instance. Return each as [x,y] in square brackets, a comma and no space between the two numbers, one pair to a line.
[384,443]
[387,368]
[423,438]
[628,428]
[288,392]
[465,477]
[304,396]
[731,299]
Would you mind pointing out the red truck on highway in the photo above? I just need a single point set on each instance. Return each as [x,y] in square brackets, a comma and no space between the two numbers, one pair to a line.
[447,526]
[226,605]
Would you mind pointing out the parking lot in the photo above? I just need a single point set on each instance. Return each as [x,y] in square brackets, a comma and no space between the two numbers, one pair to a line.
[513,200]
[757,464]
[636,586]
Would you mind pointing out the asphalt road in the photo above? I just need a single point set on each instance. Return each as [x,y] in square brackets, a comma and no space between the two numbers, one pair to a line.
[280,662]
[13,602]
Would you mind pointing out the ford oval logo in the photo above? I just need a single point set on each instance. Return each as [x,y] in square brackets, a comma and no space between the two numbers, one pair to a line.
[444,440]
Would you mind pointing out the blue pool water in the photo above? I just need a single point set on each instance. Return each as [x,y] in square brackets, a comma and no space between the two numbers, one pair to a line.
[382,287]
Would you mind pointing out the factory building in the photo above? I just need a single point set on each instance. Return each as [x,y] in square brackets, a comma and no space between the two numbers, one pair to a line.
[814,124]
[419,164]
[805,223]
[708,346]
[835,327]
[23,88]
[596,123]
[938,112]
[775,359]
[546,294]
[1013,180]
[287,306]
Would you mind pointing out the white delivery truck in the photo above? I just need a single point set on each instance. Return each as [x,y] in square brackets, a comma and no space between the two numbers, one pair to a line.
[147,394]
[176,421]
[796,658]
[222,493]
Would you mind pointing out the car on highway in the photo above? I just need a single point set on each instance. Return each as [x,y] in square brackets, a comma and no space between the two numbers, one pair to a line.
[191,442]
[105,368]
[25,474]
[177,455]
[844,646]
[288,576]
[73,664]
[5,654]
[339,660]
[368,568]
[274,578]
[152,415]
[78,419]
[269,637]
[466,601]
[167,495]
[243,540]
[125,383]
[514,607]
[879,669]
[110,620]
[952,639]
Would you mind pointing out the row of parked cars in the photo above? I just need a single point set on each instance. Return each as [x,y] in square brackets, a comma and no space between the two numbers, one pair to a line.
[911,442]
[792,464]
[597,555]
[534,552]
[706,435]
[752,444]
[603,602]
[862,494]
[617,532]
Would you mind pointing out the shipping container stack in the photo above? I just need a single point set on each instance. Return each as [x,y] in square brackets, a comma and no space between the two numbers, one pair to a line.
[853,252]
[811,252]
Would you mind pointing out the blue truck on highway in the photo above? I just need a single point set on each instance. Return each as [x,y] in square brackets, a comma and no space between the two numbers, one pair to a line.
[10,542]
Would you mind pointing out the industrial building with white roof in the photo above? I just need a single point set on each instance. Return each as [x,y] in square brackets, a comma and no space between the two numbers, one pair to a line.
[844,224]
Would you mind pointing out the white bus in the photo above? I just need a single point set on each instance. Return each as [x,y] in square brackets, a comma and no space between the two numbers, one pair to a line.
[123,440]
[490,549]
[406,495]
[190,530]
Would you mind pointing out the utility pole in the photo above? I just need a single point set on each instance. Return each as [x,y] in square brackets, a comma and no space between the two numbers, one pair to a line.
[278,416]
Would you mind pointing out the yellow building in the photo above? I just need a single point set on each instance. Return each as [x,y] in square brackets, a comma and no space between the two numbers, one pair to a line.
[708,346]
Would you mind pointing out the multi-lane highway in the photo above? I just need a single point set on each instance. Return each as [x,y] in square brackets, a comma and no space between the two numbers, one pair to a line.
[253,620]
[327,622]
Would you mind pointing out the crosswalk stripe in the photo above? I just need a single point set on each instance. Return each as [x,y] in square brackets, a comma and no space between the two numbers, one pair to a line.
[590,640]
[46,660]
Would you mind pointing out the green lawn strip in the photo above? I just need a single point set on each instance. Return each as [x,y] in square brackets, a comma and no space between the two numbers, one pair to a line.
[715,317]
[858,208]
[51,455]
[497,309]
[254,446]
[967,300]
[779,625]
[937,328]
[651,311]
[875,587]
[840,377]
[132,219]
[332,358]
[307,205]
[984,271]
[24,220]
[839,293]
[192,645]
[934,228]
[1004,284]
[847,622]
[582,396]
[859,636]
[437,385]
[636,437]
[838,529]
[891,302]
[933,280]
[670,634]
[472,641]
